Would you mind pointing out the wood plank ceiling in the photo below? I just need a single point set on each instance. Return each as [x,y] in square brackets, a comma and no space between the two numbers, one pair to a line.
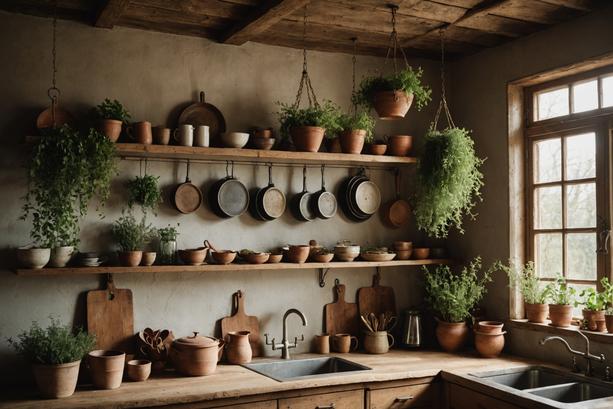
[469,25]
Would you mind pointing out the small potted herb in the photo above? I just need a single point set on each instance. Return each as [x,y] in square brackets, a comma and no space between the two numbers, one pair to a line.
[392,95]
[378,146]
[168,244]
[608,297]
[145,192]
[561,298]
[55,354]
[594,304]
[131,236]
[307,126]
[355,130]
[111,115]
[535,297]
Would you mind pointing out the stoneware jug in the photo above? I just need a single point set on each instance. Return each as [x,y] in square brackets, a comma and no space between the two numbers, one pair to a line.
[378,342]
[238,349]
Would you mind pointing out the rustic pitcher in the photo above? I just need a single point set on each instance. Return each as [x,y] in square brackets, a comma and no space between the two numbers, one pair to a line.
[238,349]
[377,342]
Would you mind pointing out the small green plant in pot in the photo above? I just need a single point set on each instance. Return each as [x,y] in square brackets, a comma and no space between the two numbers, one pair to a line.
[561,298]
[391,96]
[355,131]
[55,353]
[307,126]
[131,236]
[594,306]
[111,115]
[607,291]
[524,278]
[145,191]
[168,244]
[451,297]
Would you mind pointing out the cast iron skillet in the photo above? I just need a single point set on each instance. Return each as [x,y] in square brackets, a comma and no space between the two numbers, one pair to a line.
[300,202]
[323,202]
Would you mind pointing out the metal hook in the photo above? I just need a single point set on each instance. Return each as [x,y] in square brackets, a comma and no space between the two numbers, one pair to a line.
[323,272]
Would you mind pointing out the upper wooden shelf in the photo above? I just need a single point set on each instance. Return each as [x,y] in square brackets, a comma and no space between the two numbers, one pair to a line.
[135,150]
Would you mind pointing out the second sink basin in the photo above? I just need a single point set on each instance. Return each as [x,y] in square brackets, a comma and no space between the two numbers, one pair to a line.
[526,378]
[574,392]
[304,368]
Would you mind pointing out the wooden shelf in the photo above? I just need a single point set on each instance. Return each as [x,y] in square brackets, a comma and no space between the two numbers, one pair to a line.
[135,150]
[205,268]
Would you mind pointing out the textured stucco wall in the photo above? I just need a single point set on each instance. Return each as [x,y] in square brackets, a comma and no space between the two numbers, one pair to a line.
[153,74]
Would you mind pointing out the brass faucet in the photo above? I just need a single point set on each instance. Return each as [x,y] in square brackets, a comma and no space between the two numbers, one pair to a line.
[285,345]
[586,354]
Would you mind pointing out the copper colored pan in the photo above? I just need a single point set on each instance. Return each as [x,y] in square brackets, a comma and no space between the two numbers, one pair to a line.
[397,212]
[187,197]
[50,119]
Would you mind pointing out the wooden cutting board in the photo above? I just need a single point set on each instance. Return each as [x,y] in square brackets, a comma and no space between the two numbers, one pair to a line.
[376,299]
[342,317]
[110,316]
[240,321]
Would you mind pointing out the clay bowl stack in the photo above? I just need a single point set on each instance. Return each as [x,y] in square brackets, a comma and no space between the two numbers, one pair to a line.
[404,249]
[489,338]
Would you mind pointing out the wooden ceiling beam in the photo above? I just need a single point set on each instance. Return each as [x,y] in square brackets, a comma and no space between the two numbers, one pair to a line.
[111,12]
[583,5]
[264,17]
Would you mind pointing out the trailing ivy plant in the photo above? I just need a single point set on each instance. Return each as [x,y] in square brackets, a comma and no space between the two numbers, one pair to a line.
[145,191]
[452,296]
[130,234]
[111,110]
[449,181]
[560,293]
[325,116]
[361,120]
[68,168]
[524,277]
[54,345]
[407,80]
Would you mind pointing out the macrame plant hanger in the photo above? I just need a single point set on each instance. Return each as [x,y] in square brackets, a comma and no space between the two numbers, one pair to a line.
[443,106]
[305,80]
[393,47]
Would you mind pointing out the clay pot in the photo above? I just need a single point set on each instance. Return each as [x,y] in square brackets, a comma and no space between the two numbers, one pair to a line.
[333,145]
[307,138]
[256,258]
[274,258]
[161,135]
[352,141]
[601,325]
[489,327]
[60,256]
[421,253]
[377,148]
[33,257]
[321,258]
[344,343]
[537,312]
[560,315]
[400,145]
[592,317]
[141,132]
[111,128]
[378,342]
[321,344]
[138,370]
[403,245]
[148,258]
[223,256]
[489,345]
[56,381]
[392,104]
[106,368]
[403,254]
[609,322]
[263,143]
[130,258]
[196,355]
[193,257]
[263,133]
[238,349]
[451,335]
[298,254]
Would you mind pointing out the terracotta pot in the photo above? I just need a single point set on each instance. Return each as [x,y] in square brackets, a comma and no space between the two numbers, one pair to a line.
[223,256]
[298,254]
[591,317]
[537,312]
[56,381]
[274,258]
[489,345]
[148,258]
[333,145]
[352,141]
[403,254]
[609,322]
[33,257]
[60,256]
[601,325]
[451,335]
[130,258]
[106,368]
[138,370]
[256,258]
[238,349]
[377,148]
[141,132]
[403,245]
[392,104]
[307,138]
[560,315]
[161,135]
[378,342]
[193,257]
[111,128]
[400,145]
[421,253]
[196,355]
[344,343]
[490,327]
[321,258]
[321,344]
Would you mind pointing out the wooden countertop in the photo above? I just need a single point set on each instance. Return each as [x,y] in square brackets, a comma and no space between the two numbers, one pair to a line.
[231,381]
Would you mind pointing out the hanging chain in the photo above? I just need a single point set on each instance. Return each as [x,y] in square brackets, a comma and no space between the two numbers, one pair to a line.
[443,104]
[393,46]
[53,92]
[353,62]
[305,80]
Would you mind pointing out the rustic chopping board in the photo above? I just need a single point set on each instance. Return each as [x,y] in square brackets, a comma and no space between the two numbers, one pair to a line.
[110,316]
[240,321]
[342,317]
[376,299]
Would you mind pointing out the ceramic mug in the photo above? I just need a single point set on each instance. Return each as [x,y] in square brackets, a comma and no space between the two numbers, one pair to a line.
[161,135]
[322,344]
[141,131]
[343,343]
[201,136]
[184,134]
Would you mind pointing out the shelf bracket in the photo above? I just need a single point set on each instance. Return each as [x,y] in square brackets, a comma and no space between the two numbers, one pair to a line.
[323,272]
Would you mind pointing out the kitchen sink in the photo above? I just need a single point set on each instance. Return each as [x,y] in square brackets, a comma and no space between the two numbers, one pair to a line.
[526,378]
[574,392]
[289,370]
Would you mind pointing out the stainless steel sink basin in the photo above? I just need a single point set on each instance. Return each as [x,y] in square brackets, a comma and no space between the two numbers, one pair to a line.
[304,368]
[527,378]
[574,392]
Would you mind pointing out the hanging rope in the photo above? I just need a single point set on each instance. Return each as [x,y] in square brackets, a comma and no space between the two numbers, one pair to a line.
[305,80]
[53,92]
[393,46]
[353,62]
[443,104]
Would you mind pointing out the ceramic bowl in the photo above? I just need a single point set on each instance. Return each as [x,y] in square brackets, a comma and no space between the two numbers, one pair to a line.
[321,258]
[33,257]
[256,258]
[193,257]
[274,258]
[421,253]
[138,370]
[148,258]
[223,256]
[346,253]
[263,143]
[377,149]
[298,254]
[235,139]
[403,254]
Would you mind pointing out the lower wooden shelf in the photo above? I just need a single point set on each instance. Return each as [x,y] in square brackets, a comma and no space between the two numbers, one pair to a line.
[229,267]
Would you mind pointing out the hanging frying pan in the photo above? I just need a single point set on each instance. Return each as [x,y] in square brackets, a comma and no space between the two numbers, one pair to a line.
[187,197]
[324,203]
[54,116]
[343,195]
[397,212]
[367,197]
[228,197]
[300,202]
[271,200]
[352,190]
[203,113]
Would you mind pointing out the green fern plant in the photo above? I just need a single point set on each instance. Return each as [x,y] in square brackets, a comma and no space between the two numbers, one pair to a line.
[145,192]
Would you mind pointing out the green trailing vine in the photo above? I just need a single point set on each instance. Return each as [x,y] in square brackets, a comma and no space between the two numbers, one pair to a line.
[145,191]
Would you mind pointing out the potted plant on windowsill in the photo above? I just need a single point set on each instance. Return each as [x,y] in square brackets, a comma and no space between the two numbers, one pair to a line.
[355,131]
[535,297]
[111,116]
[55,354]
[451,297]
[307,126]
[131,236]
[594,304]
[562,298]
[607,293]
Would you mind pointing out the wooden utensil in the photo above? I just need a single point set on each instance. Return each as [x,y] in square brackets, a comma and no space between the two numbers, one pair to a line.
[203,113]
[376,299]
[341,317]
[240,321]
[110,317]
[397,212]
[188,196]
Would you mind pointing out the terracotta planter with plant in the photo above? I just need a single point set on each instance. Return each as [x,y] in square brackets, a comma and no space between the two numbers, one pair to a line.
[111,116]
[607,295]
[307,126]
[524,278]
[451,297]
[55,354]
[131,236]
[562,299]
[356,130]
[594,305]
[307,138]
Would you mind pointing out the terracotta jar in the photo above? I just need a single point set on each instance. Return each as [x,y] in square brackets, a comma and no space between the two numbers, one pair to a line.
[489,327]
[392,104]
[451,335]
[489,345]
[321,344]
[560,315]
[238,349]
[130,258]
[56,381]
[400,145]
[141,132]
[111,128]
[298,254]
[196,355]
[378,342]
[352,141]
[106,368]
[161,135]
[537,312]
[609,322]
[592,317]
[307,138]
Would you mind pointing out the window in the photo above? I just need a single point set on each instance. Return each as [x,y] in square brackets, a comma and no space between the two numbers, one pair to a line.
[567,172]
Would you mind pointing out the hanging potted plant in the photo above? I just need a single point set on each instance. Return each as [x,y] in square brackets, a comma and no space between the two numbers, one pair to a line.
[594,305]
[535,297]
[111,116]
[145,191]
[55,354]
[355,131]
[561,298]
[307,126]
[452,297]
[131,236]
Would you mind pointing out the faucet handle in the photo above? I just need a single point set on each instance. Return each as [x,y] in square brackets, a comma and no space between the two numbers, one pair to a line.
[296,340]
[575,366]
[271,343]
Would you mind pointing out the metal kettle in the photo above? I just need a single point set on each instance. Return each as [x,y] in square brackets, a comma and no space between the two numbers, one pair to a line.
[411,336]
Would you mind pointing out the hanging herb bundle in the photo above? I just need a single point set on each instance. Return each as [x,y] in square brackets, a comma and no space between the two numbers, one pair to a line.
[145,192]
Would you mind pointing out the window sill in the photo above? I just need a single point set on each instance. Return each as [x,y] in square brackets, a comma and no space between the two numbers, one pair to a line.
[602,337]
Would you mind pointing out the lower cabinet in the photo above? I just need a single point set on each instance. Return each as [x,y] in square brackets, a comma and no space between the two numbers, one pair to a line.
[463,398]
[337,400]
[269,404]
[409,396]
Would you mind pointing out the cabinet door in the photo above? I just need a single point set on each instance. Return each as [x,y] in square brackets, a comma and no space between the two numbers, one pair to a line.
[337,400]
[269,404]
[463,398]
[401,397]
